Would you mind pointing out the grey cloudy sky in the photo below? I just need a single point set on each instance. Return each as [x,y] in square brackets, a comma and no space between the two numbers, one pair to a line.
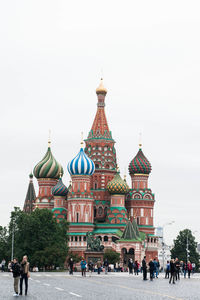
[52,55]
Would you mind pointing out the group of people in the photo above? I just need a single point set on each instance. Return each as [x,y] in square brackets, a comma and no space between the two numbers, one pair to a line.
[173,269]
[90,266]
[154,267]
[20,273]
[133,266]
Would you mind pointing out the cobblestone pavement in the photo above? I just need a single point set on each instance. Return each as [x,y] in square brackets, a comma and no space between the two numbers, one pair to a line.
[113,286]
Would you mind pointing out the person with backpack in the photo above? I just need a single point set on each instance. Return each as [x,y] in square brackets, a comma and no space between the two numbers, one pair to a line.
[15,269]
[90,267]
[167,270]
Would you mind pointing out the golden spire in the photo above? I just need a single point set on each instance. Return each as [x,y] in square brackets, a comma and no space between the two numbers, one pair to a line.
[49,139]
[101,89]
[82,142]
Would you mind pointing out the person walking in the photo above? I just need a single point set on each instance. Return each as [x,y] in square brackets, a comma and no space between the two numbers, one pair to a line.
[24,270]
[130,266]
[167,270]
[151,269]
[15,269]
[99,266]
[136,268]
[144,268]
[172,271]
[177,268]
[106,265]
[189,268]
[155,268]
[184,269]
[3,264]
[83,267]
[71,266]
[90,267]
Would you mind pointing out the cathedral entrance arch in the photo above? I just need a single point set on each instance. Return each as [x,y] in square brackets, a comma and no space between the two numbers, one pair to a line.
[127,254]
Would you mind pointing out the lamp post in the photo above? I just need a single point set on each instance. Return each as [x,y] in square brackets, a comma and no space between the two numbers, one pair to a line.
[163,244]
[13,238]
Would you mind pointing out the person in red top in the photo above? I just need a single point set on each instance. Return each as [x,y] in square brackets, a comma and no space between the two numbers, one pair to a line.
[189,267]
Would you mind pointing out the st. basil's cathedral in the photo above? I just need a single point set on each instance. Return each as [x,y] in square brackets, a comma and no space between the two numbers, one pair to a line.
[98,200]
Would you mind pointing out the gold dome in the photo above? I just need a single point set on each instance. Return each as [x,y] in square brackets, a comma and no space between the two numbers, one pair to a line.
[101,89]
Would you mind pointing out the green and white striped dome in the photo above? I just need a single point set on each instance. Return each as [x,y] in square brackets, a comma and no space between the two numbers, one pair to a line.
[48,167]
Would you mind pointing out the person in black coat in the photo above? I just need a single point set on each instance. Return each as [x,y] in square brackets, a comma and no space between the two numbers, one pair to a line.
[151,269]
[144,268]
[130,266]
[15,268]
[71,265]
[177,266]
[172,271]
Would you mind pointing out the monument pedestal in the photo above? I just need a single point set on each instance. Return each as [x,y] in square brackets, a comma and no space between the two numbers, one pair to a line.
[94,256]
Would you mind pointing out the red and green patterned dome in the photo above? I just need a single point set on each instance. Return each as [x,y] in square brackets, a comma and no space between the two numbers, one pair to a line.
[117,185]
[140,164]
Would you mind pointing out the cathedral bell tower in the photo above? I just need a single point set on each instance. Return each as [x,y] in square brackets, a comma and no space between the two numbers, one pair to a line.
[100,148]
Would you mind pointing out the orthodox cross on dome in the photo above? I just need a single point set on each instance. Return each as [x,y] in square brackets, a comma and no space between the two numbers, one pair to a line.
[140,140]
[49,139]
[82,142]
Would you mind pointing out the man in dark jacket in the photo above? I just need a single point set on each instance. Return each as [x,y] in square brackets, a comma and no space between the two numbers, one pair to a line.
[24,274]
[15,267]
[144,268]
[151,269]
[71,264]
[177,268]
[172,271]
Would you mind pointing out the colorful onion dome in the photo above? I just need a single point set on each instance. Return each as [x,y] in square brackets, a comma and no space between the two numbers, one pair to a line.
[59,189]
[140,164]
[117,185]
[101,89]
[81,165]
[48,167]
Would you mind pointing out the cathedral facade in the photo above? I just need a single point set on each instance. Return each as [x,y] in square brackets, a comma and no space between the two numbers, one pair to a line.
[98,200]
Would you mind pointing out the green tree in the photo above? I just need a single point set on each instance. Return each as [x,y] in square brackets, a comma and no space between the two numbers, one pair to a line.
[76,258]
[39,236]
[180,246]
[4,244]
[112,256]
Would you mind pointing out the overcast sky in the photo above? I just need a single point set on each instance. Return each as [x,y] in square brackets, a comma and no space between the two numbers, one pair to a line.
[52,55]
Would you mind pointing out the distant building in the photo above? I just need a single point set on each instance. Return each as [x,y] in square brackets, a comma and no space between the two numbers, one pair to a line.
[98,200]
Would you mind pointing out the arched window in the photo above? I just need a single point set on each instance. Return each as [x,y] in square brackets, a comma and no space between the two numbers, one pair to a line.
[138,220]
[105,238]
[95,186]
[72,238]
[131,251]
[99,237]
[84,238]
[76,238]
[96,166]
[77,216]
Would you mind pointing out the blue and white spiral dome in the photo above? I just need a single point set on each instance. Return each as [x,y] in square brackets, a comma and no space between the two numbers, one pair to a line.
[81,164]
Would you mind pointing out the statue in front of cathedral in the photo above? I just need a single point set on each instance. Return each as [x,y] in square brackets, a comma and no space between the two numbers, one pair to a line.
[93,244]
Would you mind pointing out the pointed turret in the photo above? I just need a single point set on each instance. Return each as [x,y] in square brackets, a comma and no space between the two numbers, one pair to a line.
[30,196]
[129,232]
[100,127]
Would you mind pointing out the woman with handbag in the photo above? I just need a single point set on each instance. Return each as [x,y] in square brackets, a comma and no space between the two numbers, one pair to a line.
[24,274]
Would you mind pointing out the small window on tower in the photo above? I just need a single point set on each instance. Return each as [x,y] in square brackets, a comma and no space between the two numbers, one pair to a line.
[100,211]
[77,217]
[96,166]
[138,221]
